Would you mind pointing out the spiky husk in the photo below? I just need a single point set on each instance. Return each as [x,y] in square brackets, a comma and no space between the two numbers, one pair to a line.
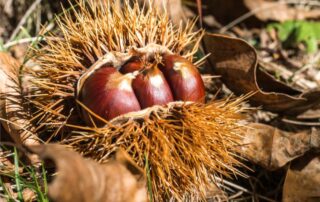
[182,145]
[88,31]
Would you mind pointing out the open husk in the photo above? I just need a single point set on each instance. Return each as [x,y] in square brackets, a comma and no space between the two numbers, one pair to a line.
[181,145]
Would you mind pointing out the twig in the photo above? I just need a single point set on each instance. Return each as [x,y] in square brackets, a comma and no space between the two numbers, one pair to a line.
[242,189]
[17,176]
[311,64]
[246,16]
[236,195]
[301,123]
[24,19]
[22,41]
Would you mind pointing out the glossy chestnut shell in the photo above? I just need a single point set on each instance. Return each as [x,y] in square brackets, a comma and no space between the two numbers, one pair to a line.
[150,86]
[109,93]
[184,79]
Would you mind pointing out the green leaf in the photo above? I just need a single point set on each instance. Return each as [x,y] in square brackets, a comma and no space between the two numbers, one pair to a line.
[292,33]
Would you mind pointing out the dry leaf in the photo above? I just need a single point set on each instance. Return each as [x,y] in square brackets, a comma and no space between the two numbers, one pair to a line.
[236,61]
[303,180]
[226,11]
[29,195]
[84,180]
[279,11]
[173,7]
[255,11]
[11,103]
[272,148]
[214,193]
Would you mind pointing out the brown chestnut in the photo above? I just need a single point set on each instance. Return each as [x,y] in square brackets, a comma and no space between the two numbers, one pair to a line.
[108,93]
[184,78]
[131,66]
[151,88]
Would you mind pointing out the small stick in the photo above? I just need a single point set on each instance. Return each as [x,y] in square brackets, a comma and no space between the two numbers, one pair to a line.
[21,41]
[24,19]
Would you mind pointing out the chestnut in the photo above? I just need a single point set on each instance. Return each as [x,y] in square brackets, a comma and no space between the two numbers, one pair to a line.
[184,78]
[150,85]
[108,93]
[151,88]
[131,66]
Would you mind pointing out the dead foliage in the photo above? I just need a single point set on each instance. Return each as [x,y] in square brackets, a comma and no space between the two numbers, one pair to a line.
[255,12]
[237,63]
[172,7]
[83,180]
[302,180]
[273,148]
[14,116]
[266,10]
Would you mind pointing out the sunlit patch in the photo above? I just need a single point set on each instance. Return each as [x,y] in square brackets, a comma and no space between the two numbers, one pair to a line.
[184,71]
[156,81]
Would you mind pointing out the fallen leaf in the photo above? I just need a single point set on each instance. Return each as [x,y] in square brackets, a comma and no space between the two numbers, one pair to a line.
[254,12]
[214,193]
[227,11]
[84,180]
[302,180]
[12,113]
[266,10]
[172,7]
[6,165]
[29,195]
[273,148]
[236,61]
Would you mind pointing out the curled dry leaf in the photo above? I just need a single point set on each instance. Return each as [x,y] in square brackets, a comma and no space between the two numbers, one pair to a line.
[236,61]
[272,148]
[84,180]
[302,180]
[12,113]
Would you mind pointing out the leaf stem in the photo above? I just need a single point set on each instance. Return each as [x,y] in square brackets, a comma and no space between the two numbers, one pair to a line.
[17,176]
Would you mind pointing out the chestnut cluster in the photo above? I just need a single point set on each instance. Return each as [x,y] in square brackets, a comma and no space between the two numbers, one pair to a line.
[109,92]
